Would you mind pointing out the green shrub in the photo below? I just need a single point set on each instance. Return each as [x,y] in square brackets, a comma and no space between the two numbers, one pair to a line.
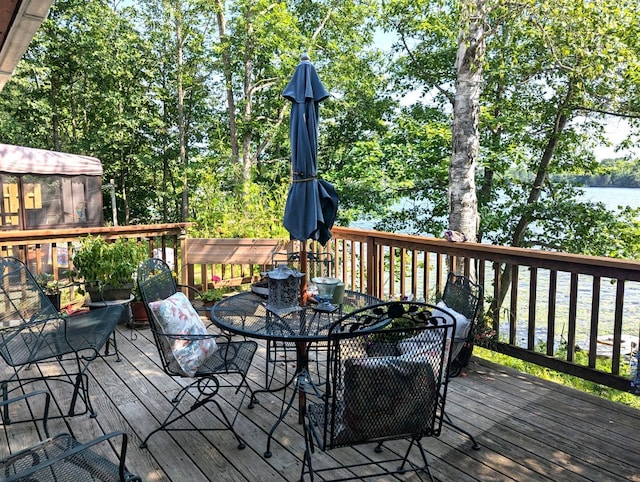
[108,263]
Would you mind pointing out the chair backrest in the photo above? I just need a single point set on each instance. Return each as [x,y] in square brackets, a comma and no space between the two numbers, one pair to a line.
[464,296]
[22,298]
[396,395]
[24,309]
[318,263]
[156,282]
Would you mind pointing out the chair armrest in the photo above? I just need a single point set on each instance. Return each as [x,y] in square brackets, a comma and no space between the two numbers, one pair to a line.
[190,288]
[45,411]
[185,337]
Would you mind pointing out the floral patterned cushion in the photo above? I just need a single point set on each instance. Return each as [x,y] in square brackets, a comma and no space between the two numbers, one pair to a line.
[177,316]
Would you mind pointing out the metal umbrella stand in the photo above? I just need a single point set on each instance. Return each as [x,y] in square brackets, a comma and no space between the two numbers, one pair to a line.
[312,203]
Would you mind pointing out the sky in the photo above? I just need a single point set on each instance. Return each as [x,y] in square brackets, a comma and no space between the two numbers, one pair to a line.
[616,131]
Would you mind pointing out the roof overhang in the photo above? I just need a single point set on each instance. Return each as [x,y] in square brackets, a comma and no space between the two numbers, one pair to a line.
[27,160]
[19,21]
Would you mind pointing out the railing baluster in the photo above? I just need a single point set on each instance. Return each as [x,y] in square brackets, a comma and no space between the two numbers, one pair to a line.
[533,291]
[593,327]
[551,312]
[573,306]
[617,327]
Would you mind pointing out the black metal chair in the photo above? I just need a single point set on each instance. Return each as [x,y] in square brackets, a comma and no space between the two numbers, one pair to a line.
[32,332]
[177,348]
[318,264]
[386,377]
[464,297]
[62,458]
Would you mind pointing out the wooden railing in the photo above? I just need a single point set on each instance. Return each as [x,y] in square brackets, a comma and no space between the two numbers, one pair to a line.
[52,249]
[538,302]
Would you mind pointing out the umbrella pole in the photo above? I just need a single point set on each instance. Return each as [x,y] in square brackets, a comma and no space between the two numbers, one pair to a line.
[303,268]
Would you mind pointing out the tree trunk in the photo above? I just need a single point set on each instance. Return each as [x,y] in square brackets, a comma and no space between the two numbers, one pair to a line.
[463,202]
[227,69]
[181,121]
[248,97]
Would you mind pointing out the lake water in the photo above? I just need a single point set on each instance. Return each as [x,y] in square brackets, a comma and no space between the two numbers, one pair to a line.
[611,197]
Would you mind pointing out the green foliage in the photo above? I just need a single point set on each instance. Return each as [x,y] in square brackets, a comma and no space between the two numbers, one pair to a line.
[48,284]
[223,212]
[214,294]
[103,80]
[108,263]
[546,80]
[552,375]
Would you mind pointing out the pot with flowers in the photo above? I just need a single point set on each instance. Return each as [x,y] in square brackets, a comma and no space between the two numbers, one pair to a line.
[212,295]
[138,310]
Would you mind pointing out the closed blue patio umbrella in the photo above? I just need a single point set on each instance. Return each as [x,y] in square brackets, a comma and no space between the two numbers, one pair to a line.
[312,203]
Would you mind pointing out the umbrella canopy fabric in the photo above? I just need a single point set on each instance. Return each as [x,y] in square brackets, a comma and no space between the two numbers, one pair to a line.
[312,204]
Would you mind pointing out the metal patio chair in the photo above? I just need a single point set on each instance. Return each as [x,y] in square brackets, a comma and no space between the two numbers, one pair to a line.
[33,332]
[187,351]
[62,458]
[386,377]
[463,298]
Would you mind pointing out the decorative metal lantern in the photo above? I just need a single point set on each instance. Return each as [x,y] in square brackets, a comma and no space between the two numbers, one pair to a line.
[284,289]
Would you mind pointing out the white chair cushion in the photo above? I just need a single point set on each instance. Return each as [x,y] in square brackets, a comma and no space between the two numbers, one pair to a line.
[177,316]
[462,322]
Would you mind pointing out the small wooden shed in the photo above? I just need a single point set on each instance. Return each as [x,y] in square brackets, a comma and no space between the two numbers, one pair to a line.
[44,189]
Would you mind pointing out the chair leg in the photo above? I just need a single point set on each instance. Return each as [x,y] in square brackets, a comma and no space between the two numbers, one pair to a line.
[112,340]
[308,450]
[447,421]
[197,404]
[426,467]
[5,396]
[269,375]
[81,383]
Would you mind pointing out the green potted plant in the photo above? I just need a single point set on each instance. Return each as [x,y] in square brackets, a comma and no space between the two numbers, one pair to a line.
[107,267]
[50,287]
[211,296]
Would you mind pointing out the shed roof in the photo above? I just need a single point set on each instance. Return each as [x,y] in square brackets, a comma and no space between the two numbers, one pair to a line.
[27,160]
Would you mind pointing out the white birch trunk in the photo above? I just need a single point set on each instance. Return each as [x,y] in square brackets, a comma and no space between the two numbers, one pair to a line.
[463,202]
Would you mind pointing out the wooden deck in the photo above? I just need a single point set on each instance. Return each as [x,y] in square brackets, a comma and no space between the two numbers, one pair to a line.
[528,429]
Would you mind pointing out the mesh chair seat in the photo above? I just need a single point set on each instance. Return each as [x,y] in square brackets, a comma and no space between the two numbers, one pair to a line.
[61,458]
[465,297]
[234,357]
[34,342]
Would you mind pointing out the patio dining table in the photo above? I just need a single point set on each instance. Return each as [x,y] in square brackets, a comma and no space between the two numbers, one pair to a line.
[248,314]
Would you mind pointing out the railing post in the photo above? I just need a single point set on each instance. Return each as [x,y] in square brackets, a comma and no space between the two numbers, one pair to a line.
[373,282]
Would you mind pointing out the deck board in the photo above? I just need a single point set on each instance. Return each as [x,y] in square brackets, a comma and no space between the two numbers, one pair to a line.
[528,428]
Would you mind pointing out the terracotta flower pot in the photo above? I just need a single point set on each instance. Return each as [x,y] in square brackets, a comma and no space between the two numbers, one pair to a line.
[139,312]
